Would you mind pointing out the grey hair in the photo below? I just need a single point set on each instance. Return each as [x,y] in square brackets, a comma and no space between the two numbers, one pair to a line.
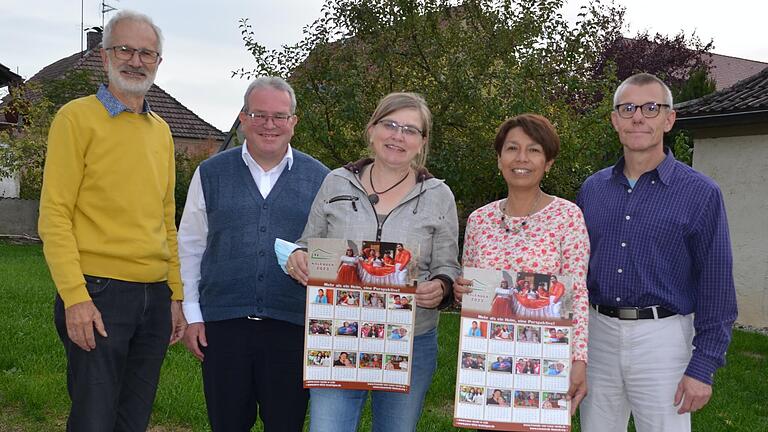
[125,14]
[642,79]
[272,82]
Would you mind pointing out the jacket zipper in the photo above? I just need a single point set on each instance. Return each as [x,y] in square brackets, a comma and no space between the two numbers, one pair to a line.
[352,198]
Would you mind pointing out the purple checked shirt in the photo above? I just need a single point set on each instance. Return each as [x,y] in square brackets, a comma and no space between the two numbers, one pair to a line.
[664,242]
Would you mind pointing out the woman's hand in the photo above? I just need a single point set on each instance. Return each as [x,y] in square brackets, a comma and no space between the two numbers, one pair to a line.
[578,388]
[297,266]
[429,294]
[461,286]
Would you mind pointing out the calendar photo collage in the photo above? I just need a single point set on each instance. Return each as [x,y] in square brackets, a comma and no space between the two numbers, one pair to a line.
[514,357]
[360,315]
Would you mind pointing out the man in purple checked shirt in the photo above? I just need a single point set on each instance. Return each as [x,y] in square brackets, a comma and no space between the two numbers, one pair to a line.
[660,275]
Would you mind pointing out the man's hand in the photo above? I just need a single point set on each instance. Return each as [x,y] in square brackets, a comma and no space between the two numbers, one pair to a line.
[691,395]
[194,338]
[178,322]
[461,286]
[81,318]
[297,266]
[578,387]
[429,294]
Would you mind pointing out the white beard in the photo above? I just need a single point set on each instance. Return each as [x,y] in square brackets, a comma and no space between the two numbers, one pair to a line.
[138,88]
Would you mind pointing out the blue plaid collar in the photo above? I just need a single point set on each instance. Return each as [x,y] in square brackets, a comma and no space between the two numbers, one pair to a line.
[113,105]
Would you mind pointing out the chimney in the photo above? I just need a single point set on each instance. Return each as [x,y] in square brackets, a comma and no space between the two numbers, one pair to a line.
[94,38]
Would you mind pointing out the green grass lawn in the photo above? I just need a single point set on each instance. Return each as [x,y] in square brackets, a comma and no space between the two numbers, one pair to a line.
[33,393]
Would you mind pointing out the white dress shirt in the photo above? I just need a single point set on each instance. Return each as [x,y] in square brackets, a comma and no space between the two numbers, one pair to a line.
[193,230]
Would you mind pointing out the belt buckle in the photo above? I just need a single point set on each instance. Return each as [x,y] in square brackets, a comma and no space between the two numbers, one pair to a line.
[629,313]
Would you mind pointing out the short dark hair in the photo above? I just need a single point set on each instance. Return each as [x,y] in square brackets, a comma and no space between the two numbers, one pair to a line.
[535,126]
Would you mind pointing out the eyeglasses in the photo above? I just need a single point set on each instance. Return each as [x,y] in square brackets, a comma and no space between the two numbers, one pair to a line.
[393,127]
[126,53]
[649,110]
[279,119]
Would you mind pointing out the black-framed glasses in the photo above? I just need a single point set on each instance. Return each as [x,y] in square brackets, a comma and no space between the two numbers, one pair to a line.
[124,52]
[393,127]
[648,109]
[279,119]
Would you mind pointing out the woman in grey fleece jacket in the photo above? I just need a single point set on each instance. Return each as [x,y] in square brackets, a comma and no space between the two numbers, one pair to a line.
[390,198]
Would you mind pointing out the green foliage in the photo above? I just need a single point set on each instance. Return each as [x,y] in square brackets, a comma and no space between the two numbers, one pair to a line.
[681,141]
[185,168]
[476,64]
[35,105]
[74,84]
[681,144]
[698,84]
[23,151]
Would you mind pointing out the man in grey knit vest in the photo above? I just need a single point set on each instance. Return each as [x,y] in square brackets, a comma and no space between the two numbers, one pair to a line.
[246,315]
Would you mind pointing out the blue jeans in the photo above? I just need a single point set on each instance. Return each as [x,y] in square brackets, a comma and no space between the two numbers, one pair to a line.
[334,410]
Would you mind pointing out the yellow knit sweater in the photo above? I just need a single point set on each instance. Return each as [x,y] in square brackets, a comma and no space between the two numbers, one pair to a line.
[107,204]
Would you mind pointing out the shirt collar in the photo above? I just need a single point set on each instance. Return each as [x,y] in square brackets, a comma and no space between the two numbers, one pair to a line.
[664,170]
[287,158]
[113,104]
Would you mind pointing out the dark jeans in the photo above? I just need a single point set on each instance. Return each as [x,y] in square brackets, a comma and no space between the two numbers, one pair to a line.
[252,366]
[112,387]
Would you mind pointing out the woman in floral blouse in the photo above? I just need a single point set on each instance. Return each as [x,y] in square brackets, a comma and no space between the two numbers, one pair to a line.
[531,231]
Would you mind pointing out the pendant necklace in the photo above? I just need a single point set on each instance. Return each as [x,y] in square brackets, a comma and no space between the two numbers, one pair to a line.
[374,197]
[515,230]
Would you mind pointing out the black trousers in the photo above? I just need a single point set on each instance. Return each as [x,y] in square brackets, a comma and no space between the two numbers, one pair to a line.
[112,387]
[254,367]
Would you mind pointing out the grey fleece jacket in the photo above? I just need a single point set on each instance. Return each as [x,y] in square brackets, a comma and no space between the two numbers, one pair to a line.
[427,215]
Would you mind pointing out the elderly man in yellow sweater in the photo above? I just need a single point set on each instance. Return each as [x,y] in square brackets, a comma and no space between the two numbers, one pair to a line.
[107,224]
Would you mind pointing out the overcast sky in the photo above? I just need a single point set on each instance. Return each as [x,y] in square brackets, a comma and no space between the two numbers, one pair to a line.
[203,44]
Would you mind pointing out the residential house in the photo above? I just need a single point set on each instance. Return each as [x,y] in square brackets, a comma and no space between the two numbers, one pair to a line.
[730,131]
[9,186]
[191,133]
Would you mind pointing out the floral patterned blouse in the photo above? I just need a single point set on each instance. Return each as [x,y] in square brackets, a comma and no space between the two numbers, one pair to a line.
[553,240]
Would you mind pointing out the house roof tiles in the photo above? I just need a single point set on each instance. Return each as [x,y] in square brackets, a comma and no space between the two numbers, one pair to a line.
[747,96]
[728,70]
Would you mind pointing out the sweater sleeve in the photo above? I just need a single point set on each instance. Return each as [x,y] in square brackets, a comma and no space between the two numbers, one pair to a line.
[63,173]
[169,206]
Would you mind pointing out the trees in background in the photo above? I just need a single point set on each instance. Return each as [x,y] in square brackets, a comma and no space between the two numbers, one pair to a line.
[477,63]
[33,106]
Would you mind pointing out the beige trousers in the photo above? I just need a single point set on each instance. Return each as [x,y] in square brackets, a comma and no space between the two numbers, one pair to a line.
[634,367]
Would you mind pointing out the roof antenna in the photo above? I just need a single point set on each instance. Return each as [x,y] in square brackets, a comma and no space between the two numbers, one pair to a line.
[104,9]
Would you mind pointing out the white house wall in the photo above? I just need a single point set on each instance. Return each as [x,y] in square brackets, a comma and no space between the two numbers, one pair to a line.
[740,166]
